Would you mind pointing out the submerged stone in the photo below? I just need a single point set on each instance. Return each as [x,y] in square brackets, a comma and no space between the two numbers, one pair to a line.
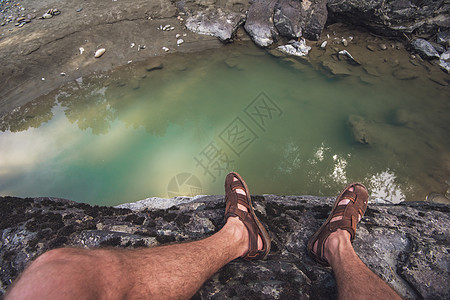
[358,127]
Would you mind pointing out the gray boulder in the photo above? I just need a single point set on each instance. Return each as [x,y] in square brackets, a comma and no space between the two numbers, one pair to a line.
[268,19]
[259,24]
[405,244]
[293,18]
[393,17]
[215,22]
[425,49]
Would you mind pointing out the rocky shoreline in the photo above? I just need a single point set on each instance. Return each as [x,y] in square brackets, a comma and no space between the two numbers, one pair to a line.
[406,244]
[41,51]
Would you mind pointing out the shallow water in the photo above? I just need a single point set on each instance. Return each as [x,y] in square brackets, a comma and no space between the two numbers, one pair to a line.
[132,134]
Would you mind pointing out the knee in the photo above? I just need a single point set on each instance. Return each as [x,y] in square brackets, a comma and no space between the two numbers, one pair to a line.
[56,256]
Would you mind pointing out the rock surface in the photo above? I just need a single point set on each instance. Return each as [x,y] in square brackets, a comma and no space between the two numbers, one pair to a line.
[306,18]
[218,23]
[425,49]
[295,48]
[259,24]
[406,244]
[393,17]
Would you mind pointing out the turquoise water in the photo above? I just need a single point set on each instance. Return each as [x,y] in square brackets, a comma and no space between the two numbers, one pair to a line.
[132,134]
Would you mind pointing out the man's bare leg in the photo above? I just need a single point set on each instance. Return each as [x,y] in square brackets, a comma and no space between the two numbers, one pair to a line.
[353,278]
[168,272]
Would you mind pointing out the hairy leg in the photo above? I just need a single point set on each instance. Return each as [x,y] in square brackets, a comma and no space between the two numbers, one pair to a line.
[167,272]
[354,280]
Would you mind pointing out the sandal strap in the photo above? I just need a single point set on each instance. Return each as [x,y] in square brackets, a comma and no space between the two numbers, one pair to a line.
[232,200]
[350,213]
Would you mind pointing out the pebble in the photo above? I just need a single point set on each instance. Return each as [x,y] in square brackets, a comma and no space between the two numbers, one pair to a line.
[165,49]
[324,44]
[371,48]
[344,42]
[132,45]
[81,50]
[47,16]
[177,35]
[62,74]
[383,46]
[99,52]
[179,42]
[184,34]
[79,9]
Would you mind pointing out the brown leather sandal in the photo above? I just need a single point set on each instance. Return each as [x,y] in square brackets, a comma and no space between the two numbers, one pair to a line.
[350,212]
[254,226]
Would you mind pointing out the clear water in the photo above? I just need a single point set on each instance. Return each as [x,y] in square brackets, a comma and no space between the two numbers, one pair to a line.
[132,134]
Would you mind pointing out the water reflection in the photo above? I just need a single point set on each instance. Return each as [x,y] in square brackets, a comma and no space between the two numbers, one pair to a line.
[123,136]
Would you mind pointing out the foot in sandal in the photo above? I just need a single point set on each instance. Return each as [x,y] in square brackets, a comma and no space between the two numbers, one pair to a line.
[348,210]
[239,206]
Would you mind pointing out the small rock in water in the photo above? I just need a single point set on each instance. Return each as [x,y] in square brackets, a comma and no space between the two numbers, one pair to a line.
[405,74]
[401,117]
[324,44]
[351,59]
[179,42]
[99,52]
[437,198]
[358,127]
[155,65]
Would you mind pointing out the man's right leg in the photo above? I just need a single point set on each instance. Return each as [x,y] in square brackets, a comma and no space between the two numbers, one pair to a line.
[331,245]
[353,278]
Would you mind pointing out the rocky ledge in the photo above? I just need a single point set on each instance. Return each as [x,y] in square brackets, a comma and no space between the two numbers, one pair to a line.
[405,244]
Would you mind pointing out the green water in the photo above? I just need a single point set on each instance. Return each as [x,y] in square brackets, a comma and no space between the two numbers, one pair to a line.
[132,134]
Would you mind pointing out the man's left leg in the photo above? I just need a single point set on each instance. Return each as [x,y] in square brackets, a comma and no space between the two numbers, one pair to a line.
[169,272]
